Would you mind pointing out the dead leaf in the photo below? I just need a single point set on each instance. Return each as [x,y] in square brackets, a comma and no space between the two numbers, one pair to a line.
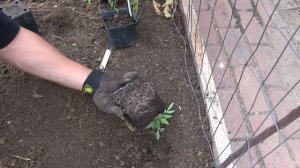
[167,11]
[37,95]
[167,8]
[168,2]
[156,7]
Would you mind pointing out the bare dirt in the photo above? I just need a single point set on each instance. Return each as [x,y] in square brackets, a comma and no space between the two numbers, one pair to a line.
[44,125]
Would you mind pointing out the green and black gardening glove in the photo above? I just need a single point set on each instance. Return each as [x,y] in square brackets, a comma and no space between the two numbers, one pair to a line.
[102,85]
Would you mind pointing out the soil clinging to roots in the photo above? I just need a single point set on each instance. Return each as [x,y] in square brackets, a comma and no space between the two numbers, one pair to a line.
[139,102]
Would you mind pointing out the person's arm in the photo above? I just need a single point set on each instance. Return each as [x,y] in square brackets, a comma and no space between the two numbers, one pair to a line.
[34,55]
[29,52]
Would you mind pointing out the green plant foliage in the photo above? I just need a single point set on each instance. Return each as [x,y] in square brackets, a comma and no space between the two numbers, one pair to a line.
[161,120]
[88,1]
[135,6]
[112,3]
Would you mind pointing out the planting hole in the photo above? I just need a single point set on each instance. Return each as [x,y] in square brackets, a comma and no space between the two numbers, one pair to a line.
[16,2]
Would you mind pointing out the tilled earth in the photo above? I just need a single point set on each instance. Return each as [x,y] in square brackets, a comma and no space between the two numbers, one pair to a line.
[44,125]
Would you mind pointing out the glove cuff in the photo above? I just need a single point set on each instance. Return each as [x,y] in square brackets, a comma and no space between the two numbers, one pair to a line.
[92,82]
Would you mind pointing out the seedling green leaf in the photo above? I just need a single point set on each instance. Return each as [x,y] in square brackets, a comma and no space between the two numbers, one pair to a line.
[166,116]
[88,1]
[161,120]
[157,135]
[151,125]
[135,6]
[170,107]
[113,4]
[169,112]
[164,121]
[157,123]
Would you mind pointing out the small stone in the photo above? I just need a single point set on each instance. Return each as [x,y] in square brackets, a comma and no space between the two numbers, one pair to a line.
[95,162]
[138,156]
[117,157]
[12,164]
[148,164]
[221,65]
[55,6]
[98,59]
[72,110]
[20,140]
[199,153]
[130,145]
[122,163]
[102,26]
[37,95]
[2,141]
[9,122]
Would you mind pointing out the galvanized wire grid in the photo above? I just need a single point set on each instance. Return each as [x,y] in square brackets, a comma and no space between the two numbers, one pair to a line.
[252,139]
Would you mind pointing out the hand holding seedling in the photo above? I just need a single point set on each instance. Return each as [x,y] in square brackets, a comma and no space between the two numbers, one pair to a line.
[110,82]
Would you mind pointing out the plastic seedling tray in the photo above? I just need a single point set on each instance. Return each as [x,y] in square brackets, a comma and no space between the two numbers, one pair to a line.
[19,12]
[123,35]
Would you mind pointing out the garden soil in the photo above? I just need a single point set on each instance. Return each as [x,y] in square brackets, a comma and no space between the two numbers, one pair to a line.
[44,125]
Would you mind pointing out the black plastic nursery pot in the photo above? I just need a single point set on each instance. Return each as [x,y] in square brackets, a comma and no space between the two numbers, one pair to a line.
[21,14]
[122,34]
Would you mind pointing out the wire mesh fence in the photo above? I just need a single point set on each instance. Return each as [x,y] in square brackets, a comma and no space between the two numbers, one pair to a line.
[247,61]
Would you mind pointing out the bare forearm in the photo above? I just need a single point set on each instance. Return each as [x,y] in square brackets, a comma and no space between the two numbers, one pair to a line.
[32,54]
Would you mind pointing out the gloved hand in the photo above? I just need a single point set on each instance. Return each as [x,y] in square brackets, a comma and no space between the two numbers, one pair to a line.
[102,85]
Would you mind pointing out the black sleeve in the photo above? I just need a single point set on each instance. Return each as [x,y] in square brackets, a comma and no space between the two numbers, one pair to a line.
[8,30]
